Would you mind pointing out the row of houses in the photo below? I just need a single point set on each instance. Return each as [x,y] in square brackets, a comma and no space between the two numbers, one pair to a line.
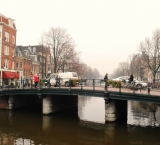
[19,63]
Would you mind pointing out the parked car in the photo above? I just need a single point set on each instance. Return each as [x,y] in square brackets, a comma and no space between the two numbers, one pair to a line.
[138,84]
[121,78]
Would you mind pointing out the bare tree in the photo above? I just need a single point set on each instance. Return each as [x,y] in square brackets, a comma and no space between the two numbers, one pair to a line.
[150,50]
[124,66]
[62,47]
[96,74]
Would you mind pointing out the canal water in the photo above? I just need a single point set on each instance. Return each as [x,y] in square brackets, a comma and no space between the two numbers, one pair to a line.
[84,125]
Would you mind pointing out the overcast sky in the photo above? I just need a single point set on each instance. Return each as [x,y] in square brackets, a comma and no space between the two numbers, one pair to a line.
[106,32]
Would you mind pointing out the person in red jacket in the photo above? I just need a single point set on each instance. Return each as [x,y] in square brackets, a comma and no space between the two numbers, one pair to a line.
[36,79]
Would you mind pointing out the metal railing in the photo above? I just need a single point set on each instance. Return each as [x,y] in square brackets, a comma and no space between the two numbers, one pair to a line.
[82,84]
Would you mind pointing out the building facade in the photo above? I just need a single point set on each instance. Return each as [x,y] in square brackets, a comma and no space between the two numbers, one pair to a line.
[8,73]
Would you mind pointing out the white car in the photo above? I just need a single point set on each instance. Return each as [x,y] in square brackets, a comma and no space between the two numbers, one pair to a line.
[138,84]
[121,78]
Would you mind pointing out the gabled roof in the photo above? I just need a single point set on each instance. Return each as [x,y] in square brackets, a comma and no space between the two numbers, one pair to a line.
[22,49]
[5,20]
[39,48]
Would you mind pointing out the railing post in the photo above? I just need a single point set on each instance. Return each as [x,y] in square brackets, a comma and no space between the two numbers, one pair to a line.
[23,83]
[2,84]
[149,86]
[120,87]
[59,81]
[93,84]
[70,83]
[133,87]
[81,84]
[31,82]
[49,83]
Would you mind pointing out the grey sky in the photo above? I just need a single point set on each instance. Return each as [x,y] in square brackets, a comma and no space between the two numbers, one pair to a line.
[106,32]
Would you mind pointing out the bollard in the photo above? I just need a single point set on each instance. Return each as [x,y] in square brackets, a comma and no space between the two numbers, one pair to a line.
[149,86]
[93,84]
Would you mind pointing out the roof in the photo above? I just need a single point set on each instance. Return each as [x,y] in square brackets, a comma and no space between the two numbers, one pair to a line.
[7,21]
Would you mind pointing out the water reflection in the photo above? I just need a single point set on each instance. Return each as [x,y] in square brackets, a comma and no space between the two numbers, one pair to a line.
[91,109]
[143,113]
[80,126]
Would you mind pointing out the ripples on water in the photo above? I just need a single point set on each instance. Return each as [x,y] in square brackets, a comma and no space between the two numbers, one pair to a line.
[84,125]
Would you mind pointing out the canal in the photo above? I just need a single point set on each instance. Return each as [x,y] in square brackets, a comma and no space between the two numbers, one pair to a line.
[84,125]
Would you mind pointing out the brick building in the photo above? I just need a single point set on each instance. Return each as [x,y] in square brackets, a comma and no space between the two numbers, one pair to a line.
[8,73]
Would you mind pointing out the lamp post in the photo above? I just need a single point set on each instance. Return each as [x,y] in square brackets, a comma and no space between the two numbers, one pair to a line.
[31,78]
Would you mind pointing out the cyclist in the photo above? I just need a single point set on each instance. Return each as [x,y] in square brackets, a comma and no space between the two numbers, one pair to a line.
[130,82]
[131,78]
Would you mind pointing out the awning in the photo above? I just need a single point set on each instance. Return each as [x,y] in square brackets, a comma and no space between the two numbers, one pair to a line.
[9,75]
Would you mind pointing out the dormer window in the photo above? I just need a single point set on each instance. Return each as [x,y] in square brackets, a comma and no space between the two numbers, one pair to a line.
[34,49]
[19,53]
[26,53]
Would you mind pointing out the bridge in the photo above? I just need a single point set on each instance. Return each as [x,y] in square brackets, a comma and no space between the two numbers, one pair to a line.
[54,99]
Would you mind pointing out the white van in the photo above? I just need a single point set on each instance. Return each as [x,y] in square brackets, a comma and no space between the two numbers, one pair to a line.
[63,78]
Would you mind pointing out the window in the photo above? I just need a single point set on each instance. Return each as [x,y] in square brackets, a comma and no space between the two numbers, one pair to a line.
[26,53]
[17,64]
[6,50]
[74,74]
[40,68]
[34,49]
[12,53]
[7,36]
[48,58]
[6,63]
[19,53]
[20,64]
[12,64]
[13,39]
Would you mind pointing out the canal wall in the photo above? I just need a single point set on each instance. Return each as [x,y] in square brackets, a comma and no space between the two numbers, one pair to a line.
[52,104]
[14,102]
[48,103]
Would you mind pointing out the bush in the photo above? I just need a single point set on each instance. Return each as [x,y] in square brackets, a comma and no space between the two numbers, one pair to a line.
[116,83]
[74,82]
[41,81]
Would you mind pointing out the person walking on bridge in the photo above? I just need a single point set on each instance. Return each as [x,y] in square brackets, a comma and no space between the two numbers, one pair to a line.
[105,80]
[35,80]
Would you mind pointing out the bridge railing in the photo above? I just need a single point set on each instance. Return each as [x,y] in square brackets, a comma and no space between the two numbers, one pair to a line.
[92,84]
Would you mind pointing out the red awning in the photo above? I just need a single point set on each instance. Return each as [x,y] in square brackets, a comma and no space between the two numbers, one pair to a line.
[9,75]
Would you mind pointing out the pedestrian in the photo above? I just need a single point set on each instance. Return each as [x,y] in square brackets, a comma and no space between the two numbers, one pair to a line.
[35,80]
[131,78]
[105,80]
